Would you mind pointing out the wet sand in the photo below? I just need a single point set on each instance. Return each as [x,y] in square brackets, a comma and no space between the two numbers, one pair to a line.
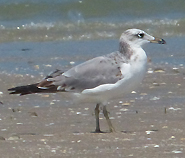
[149,122]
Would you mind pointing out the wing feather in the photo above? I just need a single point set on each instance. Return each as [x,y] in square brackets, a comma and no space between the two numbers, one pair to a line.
[90,74]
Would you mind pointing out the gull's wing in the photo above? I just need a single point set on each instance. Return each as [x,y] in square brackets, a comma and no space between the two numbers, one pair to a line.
[90,74]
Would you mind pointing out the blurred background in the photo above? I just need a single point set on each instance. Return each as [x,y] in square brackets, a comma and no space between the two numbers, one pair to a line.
[37,36]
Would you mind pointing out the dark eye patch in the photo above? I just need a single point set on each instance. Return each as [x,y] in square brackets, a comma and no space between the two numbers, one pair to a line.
[140,35]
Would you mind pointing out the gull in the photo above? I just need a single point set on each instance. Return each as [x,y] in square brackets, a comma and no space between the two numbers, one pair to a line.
[102,78]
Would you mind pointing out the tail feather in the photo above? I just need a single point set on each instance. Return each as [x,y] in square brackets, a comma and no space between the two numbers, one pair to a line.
[29,89]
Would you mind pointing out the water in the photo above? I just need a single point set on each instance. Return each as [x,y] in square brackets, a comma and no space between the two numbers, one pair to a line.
[38,36]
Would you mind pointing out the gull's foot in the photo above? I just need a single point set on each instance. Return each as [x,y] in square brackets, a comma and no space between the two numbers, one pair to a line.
[98,131]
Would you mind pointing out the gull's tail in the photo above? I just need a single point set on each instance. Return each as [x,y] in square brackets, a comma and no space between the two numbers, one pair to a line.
[29,89]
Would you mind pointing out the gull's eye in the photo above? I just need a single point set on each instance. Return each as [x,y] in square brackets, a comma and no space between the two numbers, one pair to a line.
[140,35]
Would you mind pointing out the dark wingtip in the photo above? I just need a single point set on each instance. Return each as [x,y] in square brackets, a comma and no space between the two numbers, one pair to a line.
[11,89]
[29,89]
[23,90]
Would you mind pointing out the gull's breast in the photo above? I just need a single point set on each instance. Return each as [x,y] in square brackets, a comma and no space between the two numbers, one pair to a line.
[132,77]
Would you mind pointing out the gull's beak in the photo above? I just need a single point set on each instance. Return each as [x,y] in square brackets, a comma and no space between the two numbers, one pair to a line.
[158,40]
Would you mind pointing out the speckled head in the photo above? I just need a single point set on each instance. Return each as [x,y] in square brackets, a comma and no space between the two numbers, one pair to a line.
[139,37]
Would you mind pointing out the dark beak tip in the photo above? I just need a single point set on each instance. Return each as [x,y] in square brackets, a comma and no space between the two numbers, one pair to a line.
[162,41]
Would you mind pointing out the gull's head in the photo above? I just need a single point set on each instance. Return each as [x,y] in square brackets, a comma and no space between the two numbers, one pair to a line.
[139,37]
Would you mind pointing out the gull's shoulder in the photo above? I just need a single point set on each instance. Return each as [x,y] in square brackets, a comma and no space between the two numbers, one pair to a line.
[102,63]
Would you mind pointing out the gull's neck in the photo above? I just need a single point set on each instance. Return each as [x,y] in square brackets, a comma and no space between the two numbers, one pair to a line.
[126,49]
[132,51]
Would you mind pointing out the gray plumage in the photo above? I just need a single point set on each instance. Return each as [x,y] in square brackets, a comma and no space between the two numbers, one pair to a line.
[90,74]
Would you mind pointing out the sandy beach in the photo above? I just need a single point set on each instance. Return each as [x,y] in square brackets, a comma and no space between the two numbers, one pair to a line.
[39,36]
[149,122]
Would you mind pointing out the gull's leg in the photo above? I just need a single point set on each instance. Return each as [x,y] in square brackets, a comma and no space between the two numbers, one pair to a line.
[97,111]
[105,112]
